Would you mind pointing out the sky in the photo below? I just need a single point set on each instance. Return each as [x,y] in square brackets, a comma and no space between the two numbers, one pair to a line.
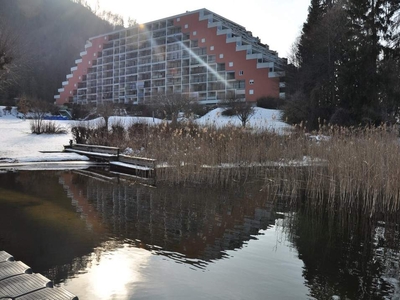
[276,22]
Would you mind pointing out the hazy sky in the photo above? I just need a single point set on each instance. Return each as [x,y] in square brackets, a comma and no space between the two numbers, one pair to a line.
[276,22]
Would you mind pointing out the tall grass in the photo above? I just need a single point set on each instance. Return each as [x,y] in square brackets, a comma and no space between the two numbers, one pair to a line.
[361,172]
[338,171]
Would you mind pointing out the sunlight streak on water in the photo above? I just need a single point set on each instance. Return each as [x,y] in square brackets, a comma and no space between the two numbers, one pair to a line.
[112,275]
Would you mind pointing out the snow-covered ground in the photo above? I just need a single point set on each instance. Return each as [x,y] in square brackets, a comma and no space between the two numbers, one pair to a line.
[19,145]
[264,119]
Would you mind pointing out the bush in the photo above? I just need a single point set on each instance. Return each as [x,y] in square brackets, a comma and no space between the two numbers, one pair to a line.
[80,111]
[270,102]
[80,134]
[139,110]
[341,117]
[229,112]
[39,126]
[8,109]
[118,130]
[198,109]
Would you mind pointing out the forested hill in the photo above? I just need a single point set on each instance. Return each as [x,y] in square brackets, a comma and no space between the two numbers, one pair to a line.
[50,35]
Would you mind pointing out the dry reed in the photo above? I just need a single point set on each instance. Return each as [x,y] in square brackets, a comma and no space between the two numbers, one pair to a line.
[353,169]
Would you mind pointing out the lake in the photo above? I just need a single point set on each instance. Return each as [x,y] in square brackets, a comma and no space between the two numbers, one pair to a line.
[109,238]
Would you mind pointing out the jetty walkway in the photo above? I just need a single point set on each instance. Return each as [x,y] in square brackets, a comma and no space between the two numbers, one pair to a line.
[140,167]
[17,281]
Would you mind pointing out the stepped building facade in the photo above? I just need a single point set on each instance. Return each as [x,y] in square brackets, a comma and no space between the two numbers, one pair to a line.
[198,53]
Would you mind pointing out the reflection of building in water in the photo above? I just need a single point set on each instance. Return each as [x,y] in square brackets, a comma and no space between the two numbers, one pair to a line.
[198,223]
[78,199]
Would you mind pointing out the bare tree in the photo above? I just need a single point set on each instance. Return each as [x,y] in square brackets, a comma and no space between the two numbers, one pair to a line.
[244,112]
[39,109]
[23,105]
[105,110]
[115,20]
[170,105]
[11,56]
[131,22]
[239,107]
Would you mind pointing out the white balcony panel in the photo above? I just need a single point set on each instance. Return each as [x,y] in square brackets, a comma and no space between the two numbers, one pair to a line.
[276,74]
[74,69]
[214,24]
[78,61]
[253,56]
[61,90]
[265,65]
[224,31]
[83,53]
[65,83]
[234,39]
[243,48]
[69,76]
[204,17]
[209,101]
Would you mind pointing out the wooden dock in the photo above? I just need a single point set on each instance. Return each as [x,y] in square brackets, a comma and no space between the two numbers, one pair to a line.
[137,166]
[122,164]
[102,153]
[17,281]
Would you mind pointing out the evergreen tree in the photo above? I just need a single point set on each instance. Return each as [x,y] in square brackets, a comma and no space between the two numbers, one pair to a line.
[347,62]
[317,54]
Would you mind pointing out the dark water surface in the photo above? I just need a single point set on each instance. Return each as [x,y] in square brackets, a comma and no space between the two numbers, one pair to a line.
[108,239]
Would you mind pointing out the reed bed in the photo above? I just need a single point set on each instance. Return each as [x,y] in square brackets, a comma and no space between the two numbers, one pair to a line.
[349,169]
[360,172]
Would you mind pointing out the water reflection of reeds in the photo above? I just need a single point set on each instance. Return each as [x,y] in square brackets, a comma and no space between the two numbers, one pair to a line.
[347,253]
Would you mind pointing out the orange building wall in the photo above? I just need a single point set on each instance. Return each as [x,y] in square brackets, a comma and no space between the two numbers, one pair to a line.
[263,86]
[87,60]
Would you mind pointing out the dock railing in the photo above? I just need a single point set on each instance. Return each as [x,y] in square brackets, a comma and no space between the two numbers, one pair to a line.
[95,151]
[139,166]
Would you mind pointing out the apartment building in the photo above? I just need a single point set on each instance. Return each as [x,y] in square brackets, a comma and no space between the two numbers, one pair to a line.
[197,53]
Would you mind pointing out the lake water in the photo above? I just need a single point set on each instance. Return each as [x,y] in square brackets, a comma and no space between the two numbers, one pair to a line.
[104,238]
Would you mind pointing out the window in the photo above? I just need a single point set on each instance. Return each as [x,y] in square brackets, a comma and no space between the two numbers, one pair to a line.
[240,72]
[194,32]
[251,81]
[211,48]
[221,56]
[186,26]
[203,40]
[178,19]
[251,92]
[231,63]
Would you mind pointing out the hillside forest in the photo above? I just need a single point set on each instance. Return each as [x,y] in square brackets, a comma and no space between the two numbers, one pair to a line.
[40,41]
